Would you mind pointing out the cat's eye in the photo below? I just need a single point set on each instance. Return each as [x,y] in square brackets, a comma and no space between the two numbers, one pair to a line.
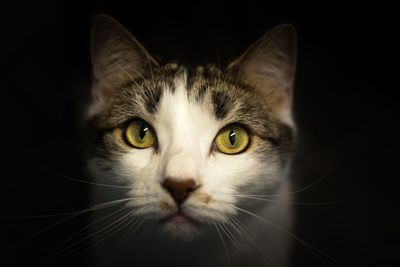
[140,134]
[232,139]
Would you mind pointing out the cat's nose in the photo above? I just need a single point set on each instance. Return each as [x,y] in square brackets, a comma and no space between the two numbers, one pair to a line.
[179,190]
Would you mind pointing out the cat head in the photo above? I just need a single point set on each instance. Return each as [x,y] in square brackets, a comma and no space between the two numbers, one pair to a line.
[188,142]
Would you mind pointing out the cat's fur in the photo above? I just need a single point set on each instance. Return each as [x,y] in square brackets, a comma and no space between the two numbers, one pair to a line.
[187,108]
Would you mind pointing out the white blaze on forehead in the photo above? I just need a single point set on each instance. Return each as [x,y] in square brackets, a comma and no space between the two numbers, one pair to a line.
[185,131]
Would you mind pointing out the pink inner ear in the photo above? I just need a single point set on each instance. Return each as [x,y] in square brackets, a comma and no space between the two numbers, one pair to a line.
[283,102]
[97,95]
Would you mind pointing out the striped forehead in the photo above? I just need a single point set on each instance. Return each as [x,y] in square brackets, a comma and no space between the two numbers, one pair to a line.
[200,88]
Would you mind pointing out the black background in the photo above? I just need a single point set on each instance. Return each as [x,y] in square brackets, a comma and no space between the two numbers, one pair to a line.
[345,107]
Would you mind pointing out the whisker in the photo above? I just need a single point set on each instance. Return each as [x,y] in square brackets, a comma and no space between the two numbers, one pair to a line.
[78,212]
[240,230]
[307,245]
[110,232]
[72,215]
[315,182]
[233,239]
[235,226]
[80,231]
[134,222]
[81,180]
[223,243]
[81,244]
[117,228]
[251,240]
[286,202]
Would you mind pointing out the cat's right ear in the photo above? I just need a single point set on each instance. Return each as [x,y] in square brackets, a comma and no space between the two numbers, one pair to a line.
[268,66]
[117,58]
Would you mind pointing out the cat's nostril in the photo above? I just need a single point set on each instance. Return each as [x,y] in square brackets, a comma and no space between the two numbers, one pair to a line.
[179,190]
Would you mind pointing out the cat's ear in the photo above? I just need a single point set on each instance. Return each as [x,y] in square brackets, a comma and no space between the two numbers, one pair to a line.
[117,58]
[268,66]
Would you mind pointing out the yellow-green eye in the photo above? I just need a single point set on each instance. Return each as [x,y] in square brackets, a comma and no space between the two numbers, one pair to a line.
[140,134]
[232,139]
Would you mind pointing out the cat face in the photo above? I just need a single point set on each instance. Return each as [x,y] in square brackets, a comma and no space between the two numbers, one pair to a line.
[187,142]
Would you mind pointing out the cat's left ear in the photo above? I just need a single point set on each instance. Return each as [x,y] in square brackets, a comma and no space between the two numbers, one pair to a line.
[117,58]
[268,66]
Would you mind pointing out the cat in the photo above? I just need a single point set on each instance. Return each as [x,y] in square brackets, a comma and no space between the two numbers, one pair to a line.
[195,161]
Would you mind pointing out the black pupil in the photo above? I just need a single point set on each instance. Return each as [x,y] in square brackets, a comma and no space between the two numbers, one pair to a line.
[232,137]
[143,131]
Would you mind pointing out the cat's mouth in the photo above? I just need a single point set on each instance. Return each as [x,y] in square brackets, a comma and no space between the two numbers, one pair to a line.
[179,218]
[180,225]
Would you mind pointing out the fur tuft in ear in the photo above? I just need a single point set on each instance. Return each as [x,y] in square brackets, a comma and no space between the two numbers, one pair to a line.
[268,66]
[117,58]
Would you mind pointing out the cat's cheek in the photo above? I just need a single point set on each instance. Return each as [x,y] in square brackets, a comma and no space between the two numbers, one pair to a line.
[139,169]
[98,166]
[103,171]
[229,172]
[138,160]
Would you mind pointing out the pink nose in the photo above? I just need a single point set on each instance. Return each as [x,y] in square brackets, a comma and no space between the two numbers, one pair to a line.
[179,190]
